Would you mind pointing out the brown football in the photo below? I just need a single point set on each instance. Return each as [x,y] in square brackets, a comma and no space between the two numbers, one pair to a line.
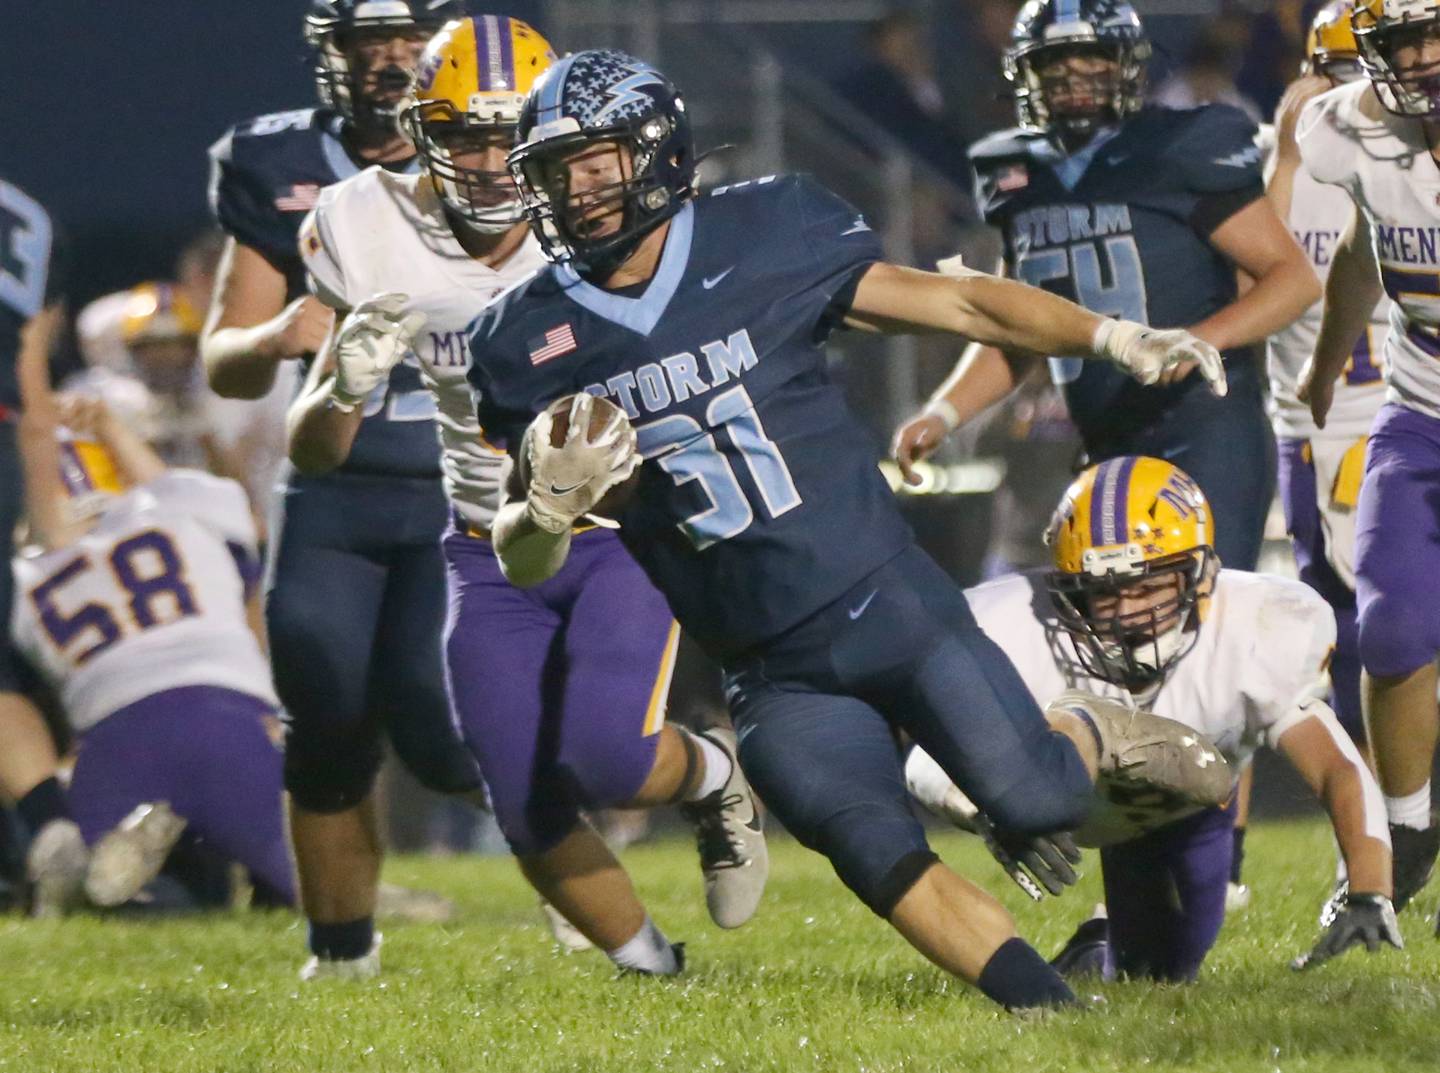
[615,500]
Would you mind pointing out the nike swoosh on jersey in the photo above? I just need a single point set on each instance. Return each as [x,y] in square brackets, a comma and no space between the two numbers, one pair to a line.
[711,281]
[856,228]
[856,612]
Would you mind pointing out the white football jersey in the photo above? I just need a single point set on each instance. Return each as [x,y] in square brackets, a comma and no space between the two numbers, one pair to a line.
[1262,652]
[151,599]
[1347,139]
[1318,215]
[378,231]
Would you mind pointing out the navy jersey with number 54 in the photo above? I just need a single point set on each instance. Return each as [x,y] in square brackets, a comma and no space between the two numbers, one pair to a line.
[1122,227]
[760,500]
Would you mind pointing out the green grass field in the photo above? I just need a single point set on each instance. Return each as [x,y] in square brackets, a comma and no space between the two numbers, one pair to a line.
[814,983]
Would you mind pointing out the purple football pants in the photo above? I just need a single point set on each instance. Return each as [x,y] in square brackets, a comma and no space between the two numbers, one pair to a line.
[1397,544]
[1298,495]
[560,689]
[205,751]
[1165,893]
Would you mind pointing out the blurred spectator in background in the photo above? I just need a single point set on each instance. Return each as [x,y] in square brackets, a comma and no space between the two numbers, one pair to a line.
[896,87]
[1207,75]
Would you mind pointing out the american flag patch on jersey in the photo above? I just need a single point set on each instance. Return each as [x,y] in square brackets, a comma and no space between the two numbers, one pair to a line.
[552,344]
[1015,177]
[302,198]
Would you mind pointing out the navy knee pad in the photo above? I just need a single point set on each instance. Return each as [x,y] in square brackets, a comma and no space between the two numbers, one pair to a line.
[330,776]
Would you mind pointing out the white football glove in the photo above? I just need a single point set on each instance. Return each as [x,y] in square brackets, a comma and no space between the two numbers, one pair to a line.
[1145,353]
[569,480]
[371,342]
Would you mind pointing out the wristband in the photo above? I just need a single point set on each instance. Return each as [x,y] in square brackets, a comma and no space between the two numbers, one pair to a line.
[945,410]
[1100,341]
[335,402]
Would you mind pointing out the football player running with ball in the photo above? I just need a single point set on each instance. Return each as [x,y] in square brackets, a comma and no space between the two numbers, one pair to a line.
[560,689]
[761,514]
[355,597]
[1378,140]
[1137,608]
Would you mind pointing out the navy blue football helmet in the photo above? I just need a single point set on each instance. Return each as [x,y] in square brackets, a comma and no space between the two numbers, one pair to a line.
[1048,30]
[585,103]
[367,99]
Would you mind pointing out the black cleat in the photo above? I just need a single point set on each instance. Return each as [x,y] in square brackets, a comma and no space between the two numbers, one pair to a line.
[1084,954]
[1414,855]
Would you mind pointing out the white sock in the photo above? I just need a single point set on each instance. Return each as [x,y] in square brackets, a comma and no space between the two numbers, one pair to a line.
[1412,810]
[717,768]
[648,951]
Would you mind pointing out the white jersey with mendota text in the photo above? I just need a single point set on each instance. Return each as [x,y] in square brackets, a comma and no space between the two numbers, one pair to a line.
[1349,140]
[151,599]
[1262,652]
[1318,216]
[378,231]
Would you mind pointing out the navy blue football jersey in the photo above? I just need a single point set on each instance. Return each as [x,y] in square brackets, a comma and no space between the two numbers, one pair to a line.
[29,279]
[265,175]
[1123,229]
[760,500]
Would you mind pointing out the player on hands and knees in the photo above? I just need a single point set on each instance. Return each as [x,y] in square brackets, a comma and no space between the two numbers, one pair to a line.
[135,612]
[761,515]
[359,546]
[552,738]
[1138,212]
[1320,469]
[1137,608]
[1379,141]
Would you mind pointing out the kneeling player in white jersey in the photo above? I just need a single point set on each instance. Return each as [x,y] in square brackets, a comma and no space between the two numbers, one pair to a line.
[1138,609]
[1376,140]
[559,689]
[134,609]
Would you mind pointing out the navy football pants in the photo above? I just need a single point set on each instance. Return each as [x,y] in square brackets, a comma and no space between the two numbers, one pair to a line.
[355,609]
[817,710]
[1228,448]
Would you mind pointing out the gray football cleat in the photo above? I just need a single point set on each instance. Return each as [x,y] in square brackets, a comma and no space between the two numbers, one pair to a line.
[731,839]
[132,854]
[366,966]
[55,866]
[1147,750]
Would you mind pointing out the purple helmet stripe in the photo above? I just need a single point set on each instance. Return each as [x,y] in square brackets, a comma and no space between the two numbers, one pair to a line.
[1122,499]
[1100,503]
[507,52]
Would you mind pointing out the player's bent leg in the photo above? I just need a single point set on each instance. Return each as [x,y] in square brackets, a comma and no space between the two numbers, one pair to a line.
[1165,895]
[1398,588]
[57,857]
[827,767]
[409,684]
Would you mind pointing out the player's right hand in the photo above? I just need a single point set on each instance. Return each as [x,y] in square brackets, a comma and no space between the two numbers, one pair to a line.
[303,326]
[1146,353]
[569,480]
[1316,392]
[915,441]
[1300,93]
[1362,918]
[370,342]
[1033,861]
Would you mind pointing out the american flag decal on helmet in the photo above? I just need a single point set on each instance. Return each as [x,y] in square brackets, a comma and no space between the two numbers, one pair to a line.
[552,344]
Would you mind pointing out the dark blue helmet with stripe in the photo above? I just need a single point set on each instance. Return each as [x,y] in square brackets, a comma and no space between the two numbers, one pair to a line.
[365,94]
[594,214]
[1074,105]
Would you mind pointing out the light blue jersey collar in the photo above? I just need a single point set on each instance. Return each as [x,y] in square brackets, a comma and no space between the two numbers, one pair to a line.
[641,314]
[1071,169]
